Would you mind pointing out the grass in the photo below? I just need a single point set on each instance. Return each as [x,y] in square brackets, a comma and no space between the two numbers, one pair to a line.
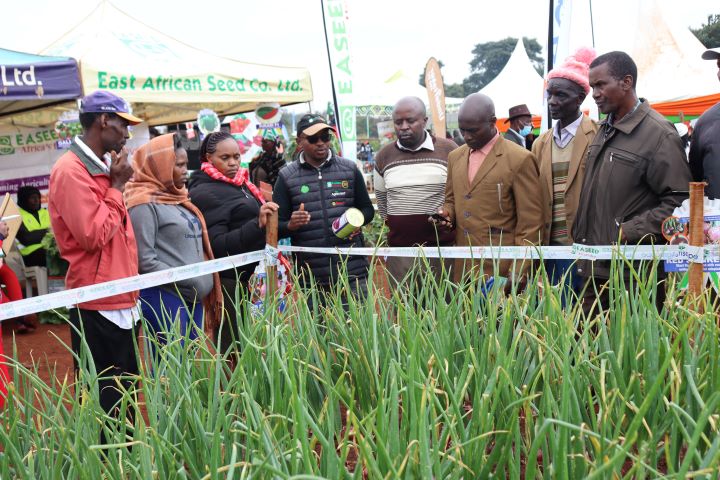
[443,382]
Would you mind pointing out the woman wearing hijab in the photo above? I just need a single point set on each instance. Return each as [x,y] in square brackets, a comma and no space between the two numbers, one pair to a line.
[36,222]
[170,232]
[236,214]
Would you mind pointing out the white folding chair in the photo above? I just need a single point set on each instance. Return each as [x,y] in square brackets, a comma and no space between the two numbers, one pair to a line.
[39,274]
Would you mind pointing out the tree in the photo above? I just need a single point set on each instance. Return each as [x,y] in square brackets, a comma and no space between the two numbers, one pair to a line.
[489,58]
[709,33]
[452,90]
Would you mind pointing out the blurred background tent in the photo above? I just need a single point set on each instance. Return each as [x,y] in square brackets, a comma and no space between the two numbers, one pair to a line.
[165,80]
[29,82]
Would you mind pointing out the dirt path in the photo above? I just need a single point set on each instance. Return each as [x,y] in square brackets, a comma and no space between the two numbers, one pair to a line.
[43,347]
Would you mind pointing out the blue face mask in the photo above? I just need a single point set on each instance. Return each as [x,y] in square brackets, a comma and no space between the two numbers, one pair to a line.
[525,131]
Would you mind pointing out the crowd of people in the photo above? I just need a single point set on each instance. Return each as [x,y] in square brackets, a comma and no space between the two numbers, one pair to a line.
[582,181]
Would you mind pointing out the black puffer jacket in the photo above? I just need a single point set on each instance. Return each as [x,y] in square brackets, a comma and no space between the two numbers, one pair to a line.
[326,193]
[231,216]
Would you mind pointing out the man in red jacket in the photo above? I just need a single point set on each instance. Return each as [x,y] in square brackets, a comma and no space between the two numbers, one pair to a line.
[95,235]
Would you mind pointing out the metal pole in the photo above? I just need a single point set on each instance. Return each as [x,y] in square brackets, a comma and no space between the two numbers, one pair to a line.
[550,45]
[332,78]
[592,25]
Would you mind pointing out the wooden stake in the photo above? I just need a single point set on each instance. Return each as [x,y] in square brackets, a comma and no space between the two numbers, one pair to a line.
[697,237]
[271,238]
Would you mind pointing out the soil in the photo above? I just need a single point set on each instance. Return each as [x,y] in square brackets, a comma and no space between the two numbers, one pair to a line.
[47,347]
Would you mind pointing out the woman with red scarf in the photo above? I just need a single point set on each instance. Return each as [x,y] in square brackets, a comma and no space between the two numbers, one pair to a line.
[235,213]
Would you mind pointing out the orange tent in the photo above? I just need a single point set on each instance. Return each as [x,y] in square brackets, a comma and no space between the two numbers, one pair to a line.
[688,107]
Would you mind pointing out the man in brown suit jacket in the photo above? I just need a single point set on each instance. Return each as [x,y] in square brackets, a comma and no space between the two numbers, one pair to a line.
[492,196]
[561,153]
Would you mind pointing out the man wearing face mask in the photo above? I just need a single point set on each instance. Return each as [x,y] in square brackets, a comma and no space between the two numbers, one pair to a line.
[520,124]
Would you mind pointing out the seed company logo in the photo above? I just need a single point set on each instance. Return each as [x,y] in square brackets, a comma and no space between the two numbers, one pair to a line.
[6,147]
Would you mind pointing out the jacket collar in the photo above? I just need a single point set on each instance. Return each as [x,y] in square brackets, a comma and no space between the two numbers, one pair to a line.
[91,165]
[328,161]
[628,123]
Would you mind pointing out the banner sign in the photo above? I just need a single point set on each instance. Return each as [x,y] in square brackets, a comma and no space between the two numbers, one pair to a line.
[677,228]
[337,24]
[41,79]
[28,154]
[26,157]
[436,95]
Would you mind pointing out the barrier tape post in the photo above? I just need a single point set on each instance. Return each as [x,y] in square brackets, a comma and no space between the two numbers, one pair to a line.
[697,239]
[271,239]
[115,287]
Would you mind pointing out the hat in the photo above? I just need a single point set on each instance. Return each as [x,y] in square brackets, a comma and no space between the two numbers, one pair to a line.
[106,102]
[518,111]
[575,68]
[311,124]
[711,54]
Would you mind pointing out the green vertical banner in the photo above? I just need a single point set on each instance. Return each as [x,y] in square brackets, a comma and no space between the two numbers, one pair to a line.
[337,22]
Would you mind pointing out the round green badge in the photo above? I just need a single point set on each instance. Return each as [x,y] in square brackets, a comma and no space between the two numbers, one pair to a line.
[304,189]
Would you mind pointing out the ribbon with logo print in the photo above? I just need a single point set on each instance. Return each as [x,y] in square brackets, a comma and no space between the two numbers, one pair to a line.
[676,253]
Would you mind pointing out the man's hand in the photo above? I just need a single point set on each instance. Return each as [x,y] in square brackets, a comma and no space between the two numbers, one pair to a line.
[299,218]
[266,210]
[120,169]
[442,219]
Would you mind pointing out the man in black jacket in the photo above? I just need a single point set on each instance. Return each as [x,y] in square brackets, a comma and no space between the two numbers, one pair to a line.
[705,145]
[312,192]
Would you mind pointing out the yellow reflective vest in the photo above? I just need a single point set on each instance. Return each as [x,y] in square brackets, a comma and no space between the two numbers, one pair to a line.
[32,224]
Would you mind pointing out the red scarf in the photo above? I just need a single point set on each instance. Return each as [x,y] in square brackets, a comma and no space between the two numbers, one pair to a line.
[242,177]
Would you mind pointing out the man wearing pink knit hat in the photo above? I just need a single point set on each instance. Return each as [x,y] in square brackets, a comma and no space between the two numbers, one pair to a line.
[561,153]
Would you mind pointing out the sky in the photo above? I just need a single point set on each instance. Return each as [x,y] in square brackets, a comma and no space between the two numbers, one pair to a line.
[385,35]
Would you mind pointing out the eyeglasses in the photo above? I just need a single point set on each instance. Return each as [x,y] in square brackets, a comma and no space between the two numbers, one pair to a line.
[320,137]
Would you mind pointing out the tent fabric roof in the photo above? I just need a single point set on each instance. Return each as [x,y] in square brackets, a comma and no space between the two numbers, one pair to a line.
[35,81]
[168,81]
[11,57]
[668,57]
[517,83]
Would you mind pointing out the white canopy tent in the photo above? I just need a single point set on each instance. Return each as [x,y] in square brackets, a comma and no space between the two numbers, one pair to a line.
[167,81]
[395,87]
[517,83]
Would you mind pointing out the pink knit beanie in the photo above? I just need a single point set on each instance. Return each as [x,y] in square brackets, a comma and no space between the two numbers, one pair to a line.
[575,68]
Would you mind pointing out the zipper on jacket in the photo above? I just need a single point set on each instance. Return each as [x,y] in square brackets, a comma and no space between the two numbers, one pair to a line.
[324,207]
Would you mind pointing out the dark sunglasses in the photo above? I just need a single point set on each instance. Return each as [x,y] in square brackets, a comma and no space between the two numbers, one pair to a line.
[323,137]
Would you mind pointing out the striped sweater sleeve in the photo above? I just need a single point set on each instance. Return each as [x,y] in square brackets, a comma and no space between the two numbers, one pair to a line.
[380,193]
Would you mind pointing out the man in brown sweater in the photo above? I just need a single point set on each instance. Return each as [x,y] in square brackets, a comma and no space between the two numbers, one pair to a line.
[409,179]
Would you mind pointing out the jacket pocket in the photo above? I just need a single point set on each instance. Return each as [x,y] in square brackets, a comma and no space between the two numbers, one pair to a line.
[493,200]
[625,159]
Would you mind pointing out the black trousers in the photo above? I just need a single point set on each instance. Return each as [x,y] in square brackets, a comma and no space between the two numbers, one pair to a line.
[113,351]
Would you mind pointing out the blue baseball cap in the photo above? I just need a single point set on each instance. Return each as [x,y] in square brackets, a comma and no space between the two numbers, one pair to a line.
[106,102]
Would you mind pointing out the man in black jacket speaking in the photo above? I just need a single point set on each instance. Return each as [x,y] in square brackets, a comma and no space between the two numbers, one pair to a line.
[314,191]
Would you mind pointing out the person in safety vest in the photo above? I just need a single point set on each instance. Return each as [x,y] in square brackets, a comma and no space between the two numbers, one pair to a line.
[36,222]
